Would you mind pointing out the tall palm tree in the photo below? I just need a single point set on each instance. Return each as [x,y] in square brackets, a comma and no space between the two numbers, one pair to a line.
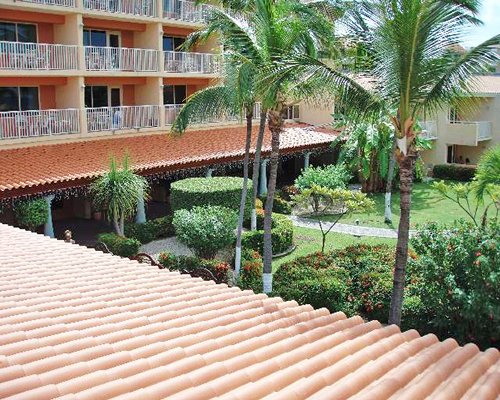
[415,73]
[117,193]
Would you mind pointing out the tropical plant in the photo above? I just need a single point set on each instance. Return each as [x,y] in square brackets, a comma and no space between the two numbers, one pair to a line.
[117,193]
[329,176]
[412,73]
[320,201]
[488,172]
[206,229]
[31,213]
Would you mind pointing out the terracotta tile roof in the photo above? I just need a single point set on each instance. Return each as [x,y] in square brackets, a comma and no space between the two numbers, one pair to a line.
[80,324]
[66,164]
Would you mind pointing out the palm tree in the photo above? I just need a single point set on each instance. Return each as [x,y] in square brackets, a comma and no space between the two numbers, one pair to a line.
[117,193]
[413,72]
[488,171]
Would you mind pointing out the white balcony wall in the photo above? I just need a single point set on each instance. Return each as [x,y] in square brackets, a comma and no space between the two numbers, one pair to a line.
[60,3]
[122,118]
[37,56]
[143,8]
[120,59]
[26,124]
[429,130]
[184,62]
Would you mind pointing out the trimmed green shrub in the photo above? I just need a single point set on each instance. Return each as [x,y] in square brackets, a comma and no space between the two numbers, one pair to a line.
[150,230]
[281,235]
[119,245]
[31,213]
[251,271]
[217,191]
[456,172]
[329,176]
[281,206]
[354,280]
[205,230]
[454,288]
[218,268]
[168,261]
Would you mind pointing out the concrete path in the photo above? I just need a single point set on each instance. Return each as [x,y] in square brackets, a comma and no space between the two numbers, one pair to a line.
[348,229]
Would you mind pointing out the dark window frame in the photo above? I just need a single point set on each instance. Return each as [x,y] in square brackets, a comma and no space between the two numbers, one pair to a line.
[16,29]
[19,98]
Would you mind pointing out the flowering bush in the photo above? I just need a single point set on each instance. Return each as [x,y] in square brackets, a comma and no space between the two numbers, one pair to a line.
[168,260]
[454,283]
[218,268]
[251,271]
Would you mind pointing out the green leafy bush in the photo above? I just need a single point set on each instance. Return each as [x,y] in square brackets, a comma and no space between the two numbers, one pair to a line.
[217,191]
[330,176]
[168,260]
[31,213]
[150,230]
[281,234]
[218,268]
[205,230]
[119,245]
[456,172]
[454,285]
[282,206]
[251,271]
[355,280]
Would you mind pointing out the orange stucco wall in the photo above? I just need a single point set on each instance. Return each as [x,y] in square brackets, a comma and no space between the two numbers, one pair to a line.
[128,95]
[108,81]
[127,38]
[175,31]
[27,16]
[112,25]
[32,81]
[45,30]
[47,96]
[45,33]
[186,81]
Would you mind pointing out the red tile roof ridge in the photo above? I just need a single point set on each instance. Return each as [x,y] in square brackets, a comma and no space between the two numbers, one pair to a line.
[81,324]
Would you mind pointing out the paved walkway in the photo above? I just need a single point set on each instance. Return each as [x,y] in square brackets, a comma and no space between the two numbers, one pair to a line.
[348,229]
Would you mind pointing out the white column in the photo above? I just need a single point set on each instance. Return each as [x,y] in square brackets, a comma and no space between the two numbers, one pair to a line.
[48,229]
[263,178]
[209,173]
[140,217]
[306,160]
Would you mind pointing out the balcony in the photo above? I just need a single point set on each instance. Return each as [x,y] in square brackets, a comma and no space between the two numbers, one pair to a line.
[429,130]
[60,3]
[468,133]
[122,118]
[120,59]
[186,11]
[181,62]
[26,124]
[140,8]
[37,56]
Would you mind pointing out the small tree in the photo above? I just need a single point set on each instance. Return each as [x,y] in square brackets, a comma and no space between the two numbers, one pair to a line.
[117,193]
[329,176]
[337,202]
[31,213]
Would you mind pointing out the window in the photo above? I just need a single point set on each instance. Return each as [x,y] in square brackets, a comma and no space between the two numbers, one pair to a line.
[453,115]
[171,43]
[96,96]
[13,32]
[174,94]
[94,38]
[18,98]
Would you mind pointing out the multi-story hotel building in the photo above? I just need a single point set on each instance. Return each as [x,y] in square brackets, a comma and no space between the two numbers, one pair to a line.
[84,80]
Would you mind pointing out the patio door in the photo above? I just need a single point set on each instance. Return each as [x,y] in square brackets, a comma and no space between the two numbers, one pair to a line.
[114,41]
[115,103]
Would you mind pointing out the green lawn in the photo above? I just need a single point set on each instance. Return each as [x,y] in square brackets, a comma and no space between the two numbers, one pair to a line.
[427,205]
[309,241]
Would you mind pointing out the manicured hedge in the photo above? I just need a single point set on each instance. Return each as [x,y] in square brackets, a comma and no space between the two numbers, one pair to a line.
[31,213]
[150,230]
[217,191]
[456,172]
[355,280]
[120,246]
[219,269]
[281,233]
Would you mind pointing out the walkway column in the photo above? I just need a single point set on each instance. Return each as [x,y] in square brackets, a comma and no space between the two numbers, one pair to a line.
[306,159]
[140,217]
[263,178]
[209,173]
[48,229]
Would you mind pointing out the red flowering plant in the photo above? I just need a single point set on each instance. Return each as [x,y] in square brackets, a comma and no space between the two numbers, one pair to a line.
[251,271]
[168,260]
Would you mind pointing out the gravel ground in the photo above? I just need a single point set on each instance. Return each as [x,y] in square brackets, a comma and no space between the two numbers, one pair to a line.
[170,244]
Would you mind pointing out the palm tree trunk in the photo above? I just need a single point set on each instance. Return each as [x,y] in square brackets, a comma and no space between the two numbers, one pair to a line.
[388,188]
[122,225]
[275,126]
[239,230]
[256,167]
[406,167]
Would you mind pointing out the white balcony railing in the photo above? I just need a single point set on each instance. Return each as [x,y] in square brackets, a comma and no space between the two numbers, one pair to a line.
[120,59]
[60,3]
[143,8]
[37,56]
[483,130]
[172,110]
[25,124]
[182,62]
[429,130]
[124,117]
[186,11]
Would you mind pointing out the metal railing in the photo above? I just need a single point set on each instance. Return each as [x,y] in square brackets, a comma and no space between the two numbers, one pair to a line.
[123,117]
[429,129]
[484,130]
[185,11]
[25,124]
[61,3]
[172,110]
[120,59]
[183,62]
[37,56]
[145,8]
